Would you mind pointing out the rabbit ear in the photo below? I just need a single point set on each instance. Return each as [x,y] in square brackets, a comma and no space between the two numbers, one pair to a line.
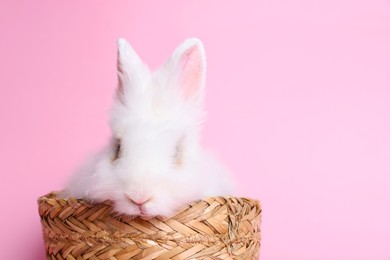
[188,66]
[130,67]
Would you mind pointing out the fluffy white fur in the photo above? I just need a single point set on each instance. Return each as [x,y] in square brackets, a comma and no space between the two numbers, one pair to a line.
[156,118]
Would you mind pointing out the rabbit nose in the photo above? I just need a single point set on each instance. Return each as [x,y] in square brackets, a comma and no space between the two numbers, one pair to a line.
[138,200]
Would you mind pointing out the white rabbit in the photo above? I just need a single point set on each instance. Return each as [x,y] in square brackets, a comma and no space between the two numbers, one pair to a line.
[154,164]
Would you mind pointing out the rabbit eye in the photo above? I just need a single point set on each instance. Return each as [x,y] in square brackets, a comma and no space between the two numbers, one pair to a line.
[179,153]
[117,149]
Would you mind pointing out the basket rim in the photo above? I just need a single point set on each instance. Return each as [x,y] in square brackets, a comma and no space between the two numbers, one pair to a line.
[53,195]
[53,199]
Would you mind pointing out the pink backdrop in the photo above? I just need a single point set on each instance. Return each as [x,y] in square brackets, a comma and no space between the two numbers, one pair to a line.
[298,94]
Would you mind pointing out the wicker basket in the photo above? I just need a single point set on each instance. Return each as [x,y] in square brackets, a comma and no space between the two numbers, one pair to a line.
[214,228]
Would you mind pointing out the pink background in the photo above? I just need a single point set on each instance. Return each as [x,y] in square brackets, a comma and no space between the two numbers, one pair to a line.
[298,94]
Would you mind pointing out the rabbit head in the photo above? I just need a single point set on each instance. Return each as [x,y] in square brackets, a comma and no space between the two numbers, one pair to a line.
[150,166]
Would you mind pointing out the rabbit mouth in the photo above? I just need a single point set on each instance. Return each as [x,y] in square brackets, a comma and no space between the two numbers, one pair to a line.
[142,212]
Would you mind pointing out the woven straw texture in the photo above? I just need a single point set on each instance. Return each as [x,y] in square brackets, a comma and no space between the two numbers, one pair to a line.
[214,228]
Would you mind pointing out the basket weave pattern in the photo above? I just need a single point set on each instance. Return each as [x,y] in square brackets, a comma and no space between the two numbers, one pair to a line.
[213,228]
